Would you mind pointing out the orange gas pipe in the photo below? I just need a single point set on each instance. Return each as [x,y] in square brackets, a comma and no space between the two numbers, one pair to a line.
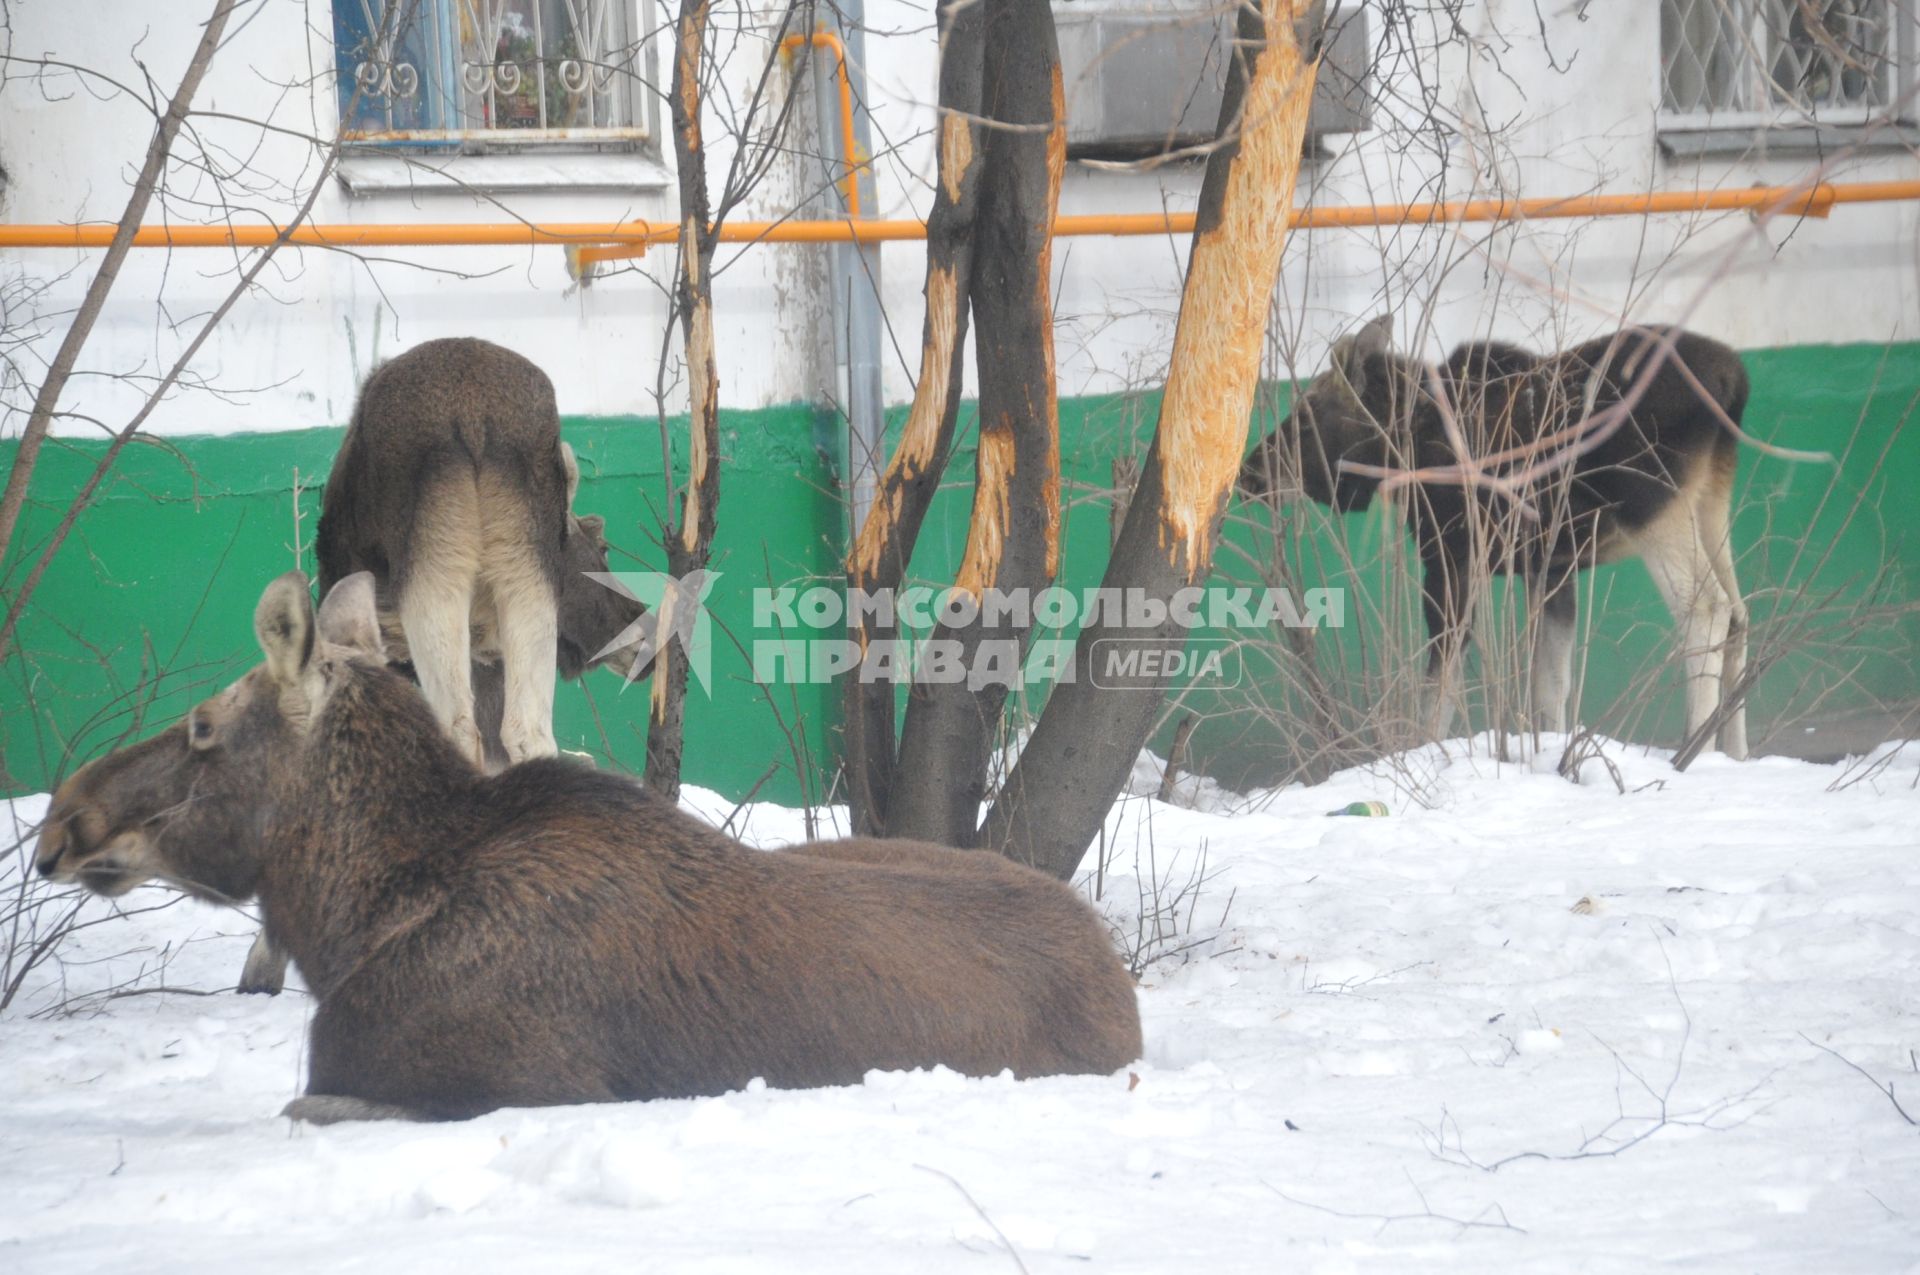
[848,156]
[1793,200]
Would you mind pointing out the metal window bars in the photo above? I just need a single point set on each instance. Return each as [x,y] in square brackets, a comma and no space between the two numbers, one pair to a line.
[1744,62]
[460,72]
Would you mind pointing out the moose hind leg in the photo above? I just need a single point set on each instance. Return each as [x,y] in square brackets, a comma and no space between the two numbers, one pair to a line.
[436,607]
[1551,665]
[1683,569]
[436,617]
[1733,662]
[529,634]
[526,605]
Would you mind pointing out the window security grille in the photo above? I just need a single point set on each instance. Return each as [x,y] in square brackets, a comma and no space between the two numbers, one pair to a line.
[488,74]
[1760,62]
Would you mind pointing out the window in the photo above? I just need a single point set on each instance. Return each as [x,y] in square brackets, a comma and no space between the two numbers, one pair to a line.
[480,76]
[1755,63]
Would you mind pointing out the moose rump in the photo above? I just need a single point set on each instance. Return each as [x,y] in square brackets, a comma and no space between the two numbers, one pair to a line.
[452,488]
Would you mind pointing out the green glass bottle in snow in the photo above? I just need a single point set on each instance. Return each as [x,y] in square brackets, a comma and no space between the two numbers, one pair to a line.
[1362,809]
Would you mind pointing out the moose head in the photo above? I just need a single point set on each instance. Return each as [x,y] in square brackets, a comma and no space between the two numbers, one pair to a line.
[1345,413]
[185,806]
[593,615]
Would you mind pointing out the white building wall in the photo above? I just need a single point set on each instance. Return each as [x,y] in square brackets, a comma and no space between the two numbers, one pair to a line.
[290,354]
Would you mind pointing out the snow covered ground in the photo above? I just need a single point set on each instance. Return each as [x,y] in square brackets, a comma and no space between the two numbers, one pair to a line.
[1518,1023]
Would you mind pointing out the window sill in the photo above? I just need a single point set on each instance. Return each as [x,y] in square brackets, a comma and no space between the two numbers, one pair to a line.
[1700,143]
[451,174]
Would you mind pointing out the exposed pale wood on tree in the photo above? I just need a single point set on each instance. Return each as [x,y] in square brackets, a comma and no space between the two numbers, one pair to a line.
[992,492]
[928,425]
[884,543]
[1223,312]
[1087,738]
[703,371]
[956,153]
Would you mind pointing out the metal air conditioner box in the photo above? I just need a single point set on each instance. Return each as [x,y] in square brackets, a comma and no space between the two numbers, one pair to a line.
[1144,79]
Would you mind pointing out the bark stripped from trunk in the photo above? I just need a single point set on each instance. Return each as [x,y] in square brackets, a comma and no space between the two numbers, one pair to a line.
[1013,540]
[1088,737]
[690,543]
[884,543]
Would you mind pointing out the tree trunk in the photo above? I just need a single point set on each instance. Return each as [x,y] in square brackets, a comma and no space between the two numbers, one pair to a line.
[1013,540]
[884,543]
[1088,737]
[690,542]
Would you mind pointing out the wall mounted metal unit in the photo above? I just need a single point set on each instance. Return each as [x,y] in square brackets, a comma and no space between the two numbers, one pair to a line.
[1143,81]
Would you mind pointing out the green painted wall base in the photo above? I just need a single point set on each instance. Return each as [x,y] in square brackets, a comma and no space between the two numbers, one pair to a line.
[148,607]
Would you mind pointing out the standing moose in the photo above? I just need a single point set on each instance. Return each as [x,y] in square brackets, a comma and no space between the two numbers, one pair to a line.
[1622,447]
[453,488]
[554,934]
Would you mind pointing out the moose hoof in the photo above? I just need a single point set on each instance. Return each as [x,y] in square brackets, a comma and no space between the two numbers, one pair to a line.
[326,1108]
[265,973]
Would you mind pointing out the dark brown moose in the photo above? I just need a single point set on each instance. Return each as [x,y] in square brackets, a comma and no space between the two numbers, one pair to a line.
[554,934]
[1619,448]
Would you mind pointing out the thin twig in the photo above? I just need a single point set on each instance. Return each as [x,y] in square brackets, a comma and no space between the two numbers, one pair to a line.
[1885,1087]
[982,1213]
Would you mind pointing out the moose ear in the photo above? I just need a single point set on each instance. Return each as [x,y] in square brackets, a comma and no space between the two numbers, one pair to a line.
[1374,338]
[594,525]
[349,618]
[283,623]
[1340,352]
[1348,355]
[571,465]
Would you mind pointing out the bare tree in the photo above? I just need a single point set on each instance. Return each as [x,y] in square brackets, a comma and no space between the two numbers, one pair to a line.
[1087,738]
[759,140]
[689,538]
[1013,537]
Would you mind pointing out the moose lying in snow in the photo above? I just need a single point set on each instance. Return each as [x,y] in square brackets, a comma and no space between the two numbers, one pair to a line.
[554,934]
[1658,486]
